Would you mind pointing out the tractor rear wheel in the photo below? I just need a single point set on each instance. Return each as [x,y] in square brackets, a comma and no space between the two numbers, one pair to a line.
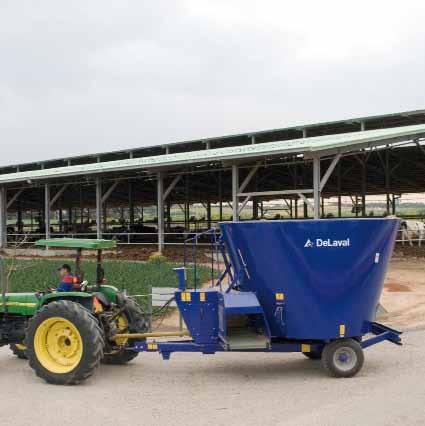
[131,320]
[18,350]
[64,343]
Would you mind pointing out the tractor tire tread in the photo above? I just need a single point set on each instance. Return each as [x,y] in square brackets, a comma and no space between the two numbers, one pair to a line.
[19,353]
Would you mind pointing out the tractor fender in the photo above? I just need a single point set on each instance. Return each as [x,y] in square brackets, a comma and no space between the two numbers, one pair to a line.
[84,299]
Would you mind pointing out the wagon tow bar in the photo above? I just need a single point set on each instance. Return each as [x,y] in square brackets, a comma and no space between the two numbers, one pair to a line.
[142,336]
[382,332]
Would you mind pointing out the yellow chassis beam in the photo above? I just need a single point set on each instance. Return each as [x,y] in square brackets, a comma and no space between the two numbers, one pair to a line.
[154,334]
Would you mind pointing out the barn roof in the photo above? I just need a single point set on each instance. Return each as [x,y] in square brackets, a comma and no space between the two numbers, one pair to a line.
[374,122]
[309,146]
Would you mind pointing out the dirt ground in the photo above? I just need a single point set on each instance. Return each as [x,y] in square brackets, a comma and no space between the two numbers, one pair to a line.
[404,293]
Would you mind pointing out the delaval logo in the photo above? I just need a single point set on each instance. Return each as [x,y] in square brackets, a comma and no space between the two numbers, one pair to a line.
[309,243]
[320,242]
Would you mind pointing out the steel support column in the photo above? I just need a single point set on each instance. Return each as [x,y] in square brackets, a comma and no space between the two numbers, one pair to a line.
[60,213]
[255,208]
[131,205]
[364,187]
[168,203]
[235,188]
[316,186]
[160,211]
[71,219]
[20,223]
[99,208]
[387,178]
[47,210]
[339,190]
[220,196]
[3,217]
[186,204]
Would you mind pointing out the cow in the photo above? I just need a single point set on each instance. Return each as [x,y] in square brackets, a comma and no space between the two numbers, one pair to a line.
[412,230]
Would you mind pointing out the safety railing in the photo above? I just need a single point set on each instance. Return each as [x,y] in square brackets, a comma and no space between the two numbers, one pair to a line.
[218,263]
[122,238]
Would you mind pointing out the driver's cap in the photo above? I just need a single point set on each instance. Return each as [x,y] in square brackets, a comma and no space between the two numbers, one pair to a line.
[65,266]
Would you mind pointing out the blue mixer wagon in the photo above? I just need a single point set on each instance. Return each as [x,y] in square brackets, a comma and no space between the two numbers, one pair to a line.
[309,286]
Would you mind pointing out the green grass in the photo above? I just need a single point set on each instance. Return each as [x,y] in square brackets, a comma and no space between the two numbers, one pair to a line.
[135,278]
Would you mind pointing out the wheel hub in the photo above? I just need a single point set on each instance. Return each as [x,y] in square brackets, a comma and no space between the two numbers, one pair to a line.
[58,345]
[122,327]
[345,358]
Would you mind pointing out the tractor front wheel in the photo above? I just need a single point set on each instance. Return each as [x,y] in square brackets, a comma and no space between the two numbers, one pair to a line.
[64,343]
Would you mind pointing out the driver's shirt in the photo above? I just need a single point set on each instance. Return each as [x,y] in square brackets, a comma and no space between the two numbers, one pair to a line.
[67,283]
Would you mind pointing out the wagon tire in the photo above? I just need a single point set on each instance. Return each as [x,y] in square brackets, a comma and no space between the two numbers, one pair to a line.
[64,343]
[136,323]
[18,350]
[343,358]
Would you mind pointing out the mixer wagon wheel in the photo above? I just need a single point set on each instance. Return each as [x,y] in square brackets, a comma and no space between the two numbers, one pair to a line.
[343,358]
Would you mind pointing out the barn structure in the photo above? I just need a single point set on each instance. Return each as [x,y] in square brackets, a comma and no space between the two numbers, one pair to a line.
[300,166]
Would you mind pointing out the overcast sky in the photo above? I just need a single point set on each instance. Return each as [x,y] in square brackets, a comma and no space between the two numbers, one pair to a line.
[89,76]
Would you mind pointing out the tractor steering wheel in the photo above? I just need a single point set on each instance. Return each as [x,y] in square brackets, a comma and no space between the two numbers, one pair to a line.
[83,286]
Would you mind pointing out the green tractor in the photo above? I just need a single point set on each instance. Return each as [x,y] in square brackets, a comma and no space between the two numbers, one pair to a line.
[65,335]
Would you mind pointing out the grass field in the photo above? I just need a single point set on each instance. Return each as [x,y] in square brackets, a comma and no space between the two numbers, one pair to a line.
[37,274]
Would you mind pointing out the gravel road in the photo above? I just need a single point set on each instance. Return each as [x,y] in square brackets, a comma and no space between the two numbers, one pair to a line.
[225,389]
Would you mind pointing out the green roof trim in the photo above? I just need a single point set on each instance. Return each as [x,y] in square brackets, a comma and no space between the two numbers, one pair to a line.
[82,243]
[317,145]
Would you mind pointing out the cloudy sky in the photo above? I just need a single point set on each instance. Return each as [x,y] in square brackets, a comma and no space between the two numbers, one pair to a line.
[87,76]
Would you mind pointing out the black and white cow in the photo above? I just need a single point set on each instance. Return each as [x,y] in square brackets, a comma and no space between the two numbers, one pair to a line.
[412,230]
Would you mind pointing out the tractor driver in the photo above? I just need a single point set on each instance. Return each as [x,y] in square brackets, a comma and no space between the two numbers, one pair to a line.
[67,279]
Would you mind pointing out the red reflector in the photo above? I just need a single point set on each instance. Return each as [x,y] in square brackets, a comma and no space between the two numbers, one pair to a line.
[97,306]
